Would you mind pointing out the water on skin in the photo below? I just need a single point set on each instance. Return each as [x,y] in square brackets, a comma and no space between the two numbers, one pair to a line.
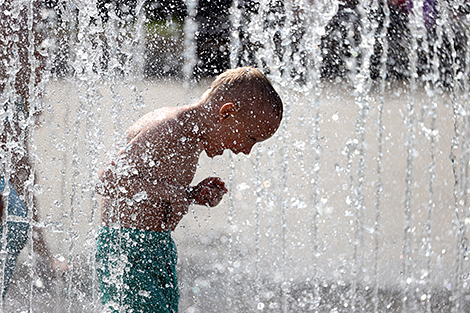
[357,203]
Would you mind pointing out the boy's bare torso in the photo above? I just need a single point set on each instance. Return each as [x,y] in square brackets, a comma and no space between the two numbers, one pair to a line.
[162,152]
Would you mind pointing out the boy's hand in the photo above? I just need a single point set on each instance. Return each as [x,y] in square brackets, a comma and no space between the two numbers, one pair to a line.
[209,192]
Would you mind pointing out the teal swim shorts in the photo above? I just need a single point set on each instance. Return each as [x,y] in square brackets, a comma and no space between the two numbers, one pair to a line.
[137,270]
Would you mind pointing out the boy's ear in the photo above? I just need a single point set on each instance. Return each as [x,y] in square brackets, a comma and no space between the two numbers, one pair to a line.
[227,110]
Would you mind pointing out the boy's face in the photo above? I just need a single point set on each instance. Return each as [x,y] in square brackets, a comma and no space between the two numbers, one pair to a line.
[242,129]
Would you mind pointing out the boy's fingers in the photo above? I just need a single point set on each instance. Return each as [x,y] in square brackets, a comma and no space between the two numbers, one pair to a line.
[224,188]
[220,185]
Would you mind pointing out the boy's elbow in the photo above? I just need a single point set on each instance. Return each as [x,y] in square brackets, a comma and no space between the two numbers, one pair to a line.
[107,181]
[99,188]
[102,184]
[104,189]
[101,174]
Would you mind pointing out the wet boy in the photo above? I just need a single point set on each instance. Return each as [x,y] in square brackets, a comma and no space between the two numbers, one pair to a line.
[146,188]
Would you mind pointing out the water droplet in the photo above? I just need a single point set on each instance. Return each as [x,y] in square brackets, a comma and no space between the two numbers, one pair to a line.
[243,186]
[38,283]
[122,189]
[144,293]
[140,196]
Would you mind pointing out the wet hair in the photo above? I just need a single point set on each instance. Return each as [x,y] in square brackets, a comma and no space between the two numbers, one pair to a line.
[245,85]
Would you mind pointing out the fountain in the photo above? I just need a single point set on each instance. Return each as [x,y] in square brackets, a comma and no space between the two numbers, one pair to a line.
[358,204]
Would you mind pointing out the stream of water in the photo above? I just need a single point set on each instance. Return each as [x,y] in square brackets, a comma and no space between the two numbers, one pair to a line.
[359,203]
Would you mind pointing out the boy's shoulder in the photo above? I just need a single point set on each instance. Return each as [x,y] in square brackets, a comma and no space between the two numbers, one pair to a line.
[156,122]
[157,116]
[153,119]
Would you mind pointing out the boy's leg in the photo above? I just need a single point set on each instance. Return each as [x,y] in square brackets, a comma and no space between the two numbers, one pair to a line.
[149,281]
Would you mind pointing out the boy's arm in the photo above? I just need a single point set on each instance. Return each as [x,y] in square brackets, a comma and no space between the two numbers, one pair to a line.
[209,192]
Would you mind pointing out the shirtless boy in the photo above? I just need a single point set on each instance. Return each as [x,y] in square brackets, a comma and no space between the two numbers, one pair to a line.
[146,188]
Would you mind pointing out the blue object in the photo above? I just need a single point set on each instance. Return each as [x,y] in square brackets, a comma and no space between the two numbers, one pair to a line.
[16,233]
[16,207]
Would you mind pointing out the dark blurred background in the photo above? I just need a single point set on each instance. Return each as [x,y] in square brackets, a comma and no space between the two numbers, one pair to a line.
[164,42]
[164,34]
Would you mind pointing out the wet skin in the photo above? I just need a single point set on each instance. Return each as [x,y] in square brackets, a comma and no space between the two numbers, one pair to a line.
[160,159]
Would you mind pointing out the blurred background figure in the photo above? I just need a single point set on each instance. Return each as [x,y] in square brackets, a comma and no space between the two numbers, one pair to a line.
[164,37]
[23,60]
[341,40]
[340,44]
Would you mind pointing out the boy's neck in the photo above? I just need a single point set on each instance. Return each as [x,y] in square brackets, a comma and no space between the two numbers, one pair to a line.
[200,119]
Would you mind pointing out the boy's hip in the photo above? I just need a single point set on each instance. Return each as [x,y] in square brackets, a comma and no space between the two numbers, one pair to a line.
[138,246]
[137,269]
[145,215]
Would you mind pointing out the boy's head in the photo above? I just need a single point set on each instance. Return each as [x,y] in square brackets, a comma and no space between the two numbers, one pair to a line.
[246,87]
[249,110]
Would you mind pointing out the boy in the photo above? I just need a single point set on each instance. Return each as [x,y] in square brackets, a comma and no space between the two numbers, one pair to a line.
[146,188]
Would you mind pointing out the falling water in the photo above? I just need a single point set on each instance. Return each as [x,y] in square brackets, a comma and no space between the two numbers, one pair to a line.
[358,203]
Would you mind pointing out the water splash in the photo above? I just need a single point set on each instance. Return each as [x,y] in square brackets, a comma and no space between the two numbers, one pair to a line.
[354,204]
